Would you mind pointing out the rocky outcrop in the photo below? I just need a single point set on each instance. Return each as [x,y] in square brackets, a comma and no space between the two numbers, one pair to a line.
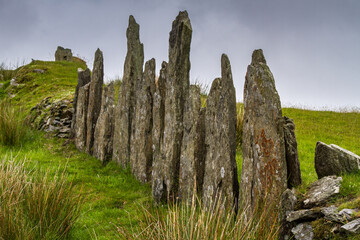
[63,54]
[221,177]
[334,160]
[192,157]
[104,130]
[141,155]
[177,89]
[81,117]
[125,109]
[95,94]
[292,158]
[84,78]
[264,164]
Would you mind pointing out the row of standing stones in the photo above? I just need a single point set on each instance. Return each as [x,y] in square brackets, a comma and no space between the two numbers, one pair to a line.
[160,130]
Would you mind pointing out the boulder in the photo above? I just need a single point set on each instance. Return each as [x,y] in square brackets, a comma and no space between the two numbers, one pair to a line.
[320,191]
[141,154]
[95,94]
[63,54]
[221,177]
[104,130]
[334,160]
[125,108]
[264,170]
[303,231]
[292,158]
[352,227]
[177,90]
[192,157]
[81,117]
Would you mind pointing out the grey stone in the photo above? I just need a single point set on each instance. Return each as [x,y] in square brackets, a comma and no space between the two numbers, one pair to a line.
[304,215]
[41,71]
[292,158]
[352,227]
[81,117]
[320,191]
[348,212]
[13,82]
[84,78]
[177,90]
[303,231]
[221,177]
[63,54]
[332,214]
[104,130]
[334,160]
[264,165]
[125,109]
[95,94]
[141,154]
[288,202]
[192,158]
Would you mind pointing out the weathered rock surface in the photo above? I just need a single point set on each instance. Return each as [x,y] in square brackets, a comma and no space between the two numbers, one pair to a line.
[104,130]
[304,215]
[177,89]
[220,124]
[320,191]
[288,202]
[264,164]
[303,231]
[192,157]
[141,155]
[125,109]
[83,79]
[292,158]
[95,94]
[352,227]
[63,54]
[332,214]
[81,117]
[158,135]
[334,160]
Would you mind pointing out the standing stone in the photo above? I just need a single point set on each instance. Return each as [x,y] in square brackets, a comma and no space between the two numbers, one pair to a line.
[288,202]
[193,146]
[63,54]
[158,135]
[220,165]
[334,160]
[141,138]
[177,90]
[81,117]
[264,162]
[125,109]
[292,158]
[83,79]
[95,93]
[104,130]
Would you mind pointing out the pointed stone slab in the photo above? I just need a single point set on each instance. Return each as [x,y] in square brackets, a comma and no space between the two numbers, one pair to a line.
[95,94]
[193,147]
[125,109]
[81,117]
[220,165]
[141,155]
[264,164]
[84,78]
[104,130]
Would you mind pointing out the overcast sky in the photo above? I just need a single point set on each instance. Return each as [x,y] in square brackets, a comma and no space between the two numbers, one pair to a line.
[311,46]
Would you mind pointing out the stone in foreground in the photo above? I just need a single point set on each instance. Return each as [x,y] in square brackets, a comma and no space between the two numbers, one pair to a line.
[304,215]
[334,160]
[303,231]
[352,227]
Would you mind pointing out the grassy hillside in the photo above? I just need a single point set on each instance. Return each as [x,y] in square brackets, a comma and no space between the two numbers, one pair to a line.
[112,196]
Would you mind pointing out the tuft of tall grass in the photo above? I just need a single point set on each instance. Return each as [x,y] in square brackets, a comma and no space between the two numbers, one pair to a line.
[196,221]
[12,124]
[35,206]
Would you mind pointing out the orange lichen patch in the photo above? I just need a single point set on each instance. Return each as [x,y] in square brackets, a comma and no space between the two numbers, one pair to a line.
[267,145]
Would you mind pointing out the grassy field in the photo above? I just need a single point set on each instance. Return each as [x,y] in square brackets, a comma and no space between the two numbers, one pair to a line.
[112,196]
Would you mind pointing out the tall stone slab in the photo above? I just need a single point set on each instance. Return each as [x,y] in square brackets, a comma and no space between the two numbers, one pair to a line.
[95,94]
[221,177]
[158,135]
[177,89]
[81,117]
[141,155]
[84,78]
[193,147]
[104,130]
[125,109]
[264,162]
